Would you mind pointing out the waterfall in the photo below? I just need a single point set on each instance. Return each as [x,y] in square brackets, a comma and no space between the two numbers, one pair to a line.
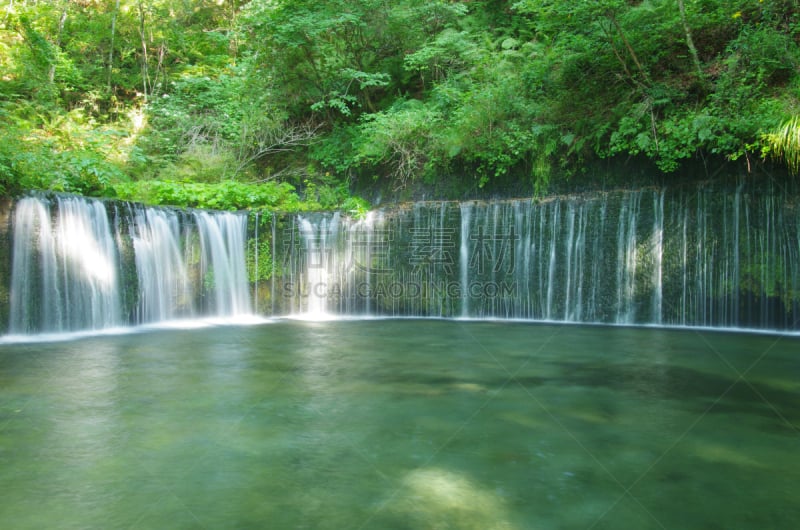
[164,292]
[64,270]
[658,257]
[703,256]
[222,240]
[551,285]
[717,255]
[627,259]
[83,264]
[316,267]
[34,250]
[463,257]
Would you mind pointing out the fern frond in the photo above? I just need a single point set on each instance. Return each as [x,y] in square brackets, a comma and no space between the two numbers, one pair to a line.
[784,144]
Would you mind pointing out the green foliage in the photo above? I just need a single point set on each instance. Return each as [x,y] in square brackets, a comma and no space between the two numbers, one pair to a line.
[355,207]
[784,144]
[200,114]
[335,151]
[258,259]
[232,195]
[227,195]
[148,98]
[398,139]
[61,156]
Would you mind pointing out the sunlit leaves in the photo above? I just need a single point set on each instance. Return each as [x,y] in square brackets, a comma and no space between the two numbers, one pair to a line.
[321,93]
[784,144]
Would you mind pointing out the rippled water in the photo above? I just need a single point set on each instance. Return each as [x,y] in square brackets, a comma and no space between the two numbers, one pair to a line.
[391,424]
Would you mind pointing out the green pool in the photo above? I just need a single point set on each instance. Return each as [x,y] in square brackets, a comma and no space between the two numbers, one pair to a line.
[402,424]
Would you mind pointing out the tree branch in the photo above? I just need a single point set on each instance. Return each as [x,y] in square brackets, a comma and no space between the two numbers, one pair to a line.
[269,141]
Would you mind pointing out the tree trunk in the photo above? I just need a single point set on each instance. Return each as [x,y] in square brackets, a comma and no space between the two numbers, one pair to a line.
[51,74]
[111,48]
[690,42]
[631,52]
[233,42]
[143,37]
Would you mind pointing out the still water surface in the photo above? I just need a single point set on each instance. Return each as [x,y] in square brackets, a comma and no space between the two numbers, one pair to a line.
[402,424]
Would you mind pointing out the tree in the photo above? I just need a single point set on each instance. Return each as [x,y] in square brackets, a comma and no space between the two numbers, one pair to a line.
[463,94]
[339,58]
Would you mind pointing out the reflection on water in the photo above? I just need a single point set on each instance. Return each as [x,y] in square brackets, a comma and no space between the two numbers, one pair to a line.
[84,387]
[390,424]
[438,498]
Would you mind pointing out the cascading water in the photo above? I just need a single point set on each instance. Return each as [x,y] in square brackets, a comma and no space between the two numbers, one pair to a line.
[658,257]
[463,255]
[79,264]
[702,257]
[64,272]
[627,251]
[318,263]
[222,239]
[165,292]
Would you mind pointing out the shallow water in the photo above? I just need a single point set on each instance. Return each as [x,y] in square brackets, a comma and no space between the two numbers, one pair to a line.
[392,424]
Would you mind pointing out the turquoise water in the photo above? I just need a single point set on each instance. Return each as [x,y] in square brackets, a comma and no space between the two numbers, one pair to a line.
[402,424]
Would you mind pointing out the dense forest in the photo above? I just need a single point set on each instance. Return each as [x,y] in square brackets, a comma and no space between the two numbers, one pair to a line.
[299,105]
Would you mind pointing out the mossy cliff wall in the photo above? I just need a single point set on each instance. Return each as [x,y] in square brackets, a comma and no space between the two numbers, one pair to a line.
[5,258]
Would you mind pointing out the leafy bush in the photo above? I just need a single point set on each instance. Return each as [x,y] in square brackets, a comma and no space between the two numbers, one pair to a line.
[398,140]
[227,195]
